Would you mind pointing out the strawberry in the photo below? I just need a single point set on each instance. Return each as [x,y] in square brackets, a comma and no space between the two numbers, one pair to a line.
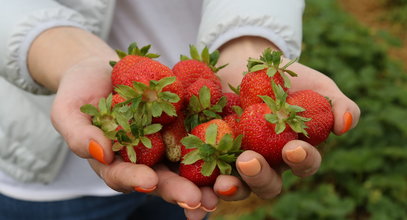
[188,70]
[261,73]
[215,90]
[319,109]
[267,127]
[142,153]
[122,72]
[117,98]
[232,99]
[172,134]
[208,151]
[150,83]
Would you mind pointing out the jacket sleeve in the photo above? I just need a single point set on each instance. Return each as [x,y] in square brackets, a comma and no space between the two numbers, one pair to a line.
[22,21]
[276,20]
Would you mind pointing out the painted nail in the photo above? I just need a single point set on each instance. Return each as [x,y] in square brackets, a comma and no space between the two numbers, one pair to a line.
[347,122]
[96,151]
[208,210]
[250,168]
[229,192]
[145,190]
[186,206]
[296,155]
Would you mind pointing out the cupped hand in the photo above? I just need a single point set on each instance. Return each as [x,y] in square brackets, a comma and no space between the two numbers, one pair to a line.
[299,156]
[86,83]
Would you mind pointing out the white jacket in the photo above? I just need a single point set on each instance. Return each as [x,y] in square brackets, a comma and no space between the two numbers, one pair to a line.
[30,149]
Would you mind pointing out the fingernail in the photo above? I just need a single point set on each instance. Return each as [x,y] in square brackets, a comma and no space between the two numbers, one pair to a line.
[229,192]
[347,122]
[250,168]
[96,151]
[296,155]
[186,206]
[208,210]
[144,190]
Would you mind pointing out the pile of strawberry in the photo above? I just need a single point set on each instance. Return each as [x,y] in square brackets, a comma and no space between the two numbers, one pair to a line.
[182,115]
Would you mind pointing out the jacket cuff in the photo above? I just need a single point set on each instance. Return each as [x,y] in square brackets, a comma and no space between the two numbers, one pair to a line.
[278,21]
[22,37]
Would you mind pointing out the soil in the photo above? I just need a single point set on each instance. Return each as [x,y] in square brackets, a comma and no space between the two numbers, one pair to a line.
[369,13]
[372,13]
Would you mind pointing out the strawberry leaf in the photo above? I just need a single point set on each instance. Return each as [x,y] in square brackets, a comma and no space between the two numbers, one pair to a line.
[162,83]
[191,157]
[89,109]
[168,108]
[146,142]
[192,141]
[131,153]
[205,55]
[208,167]
[237,142]
[226,143]
[156,109]
[205,97]
[151,129]
[194,53]
[211,134]
[169,97]
[117,146]
[224,167]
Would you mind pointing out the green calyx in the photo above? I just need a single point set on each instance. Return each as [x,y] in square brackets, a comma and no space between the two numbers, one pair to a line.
[271,61]
[125,124]
[220,155]
[153,101]
[133,49]
[103,115]
[210,59]
[284,114]
[201,110]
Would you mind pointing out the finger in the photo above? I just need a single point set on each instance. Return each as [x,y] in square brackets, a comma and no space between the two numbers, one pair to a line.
[176,189]
[259,176]
[75,126]
[209,203]
[126,177]
[346,114]
[303,159]
[231,188]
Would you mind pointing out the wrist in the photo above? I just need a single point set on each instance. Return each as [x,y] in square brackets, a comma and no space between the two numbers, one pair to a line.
[236,53]
[57,50]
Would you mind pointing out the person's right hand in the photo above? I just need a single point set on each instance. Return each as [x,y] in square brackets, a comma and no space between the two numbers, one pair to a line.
[80,74]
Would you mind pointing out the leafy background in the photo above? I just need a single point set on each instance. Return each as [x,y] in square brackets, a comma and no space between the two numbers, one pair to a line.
[364,172]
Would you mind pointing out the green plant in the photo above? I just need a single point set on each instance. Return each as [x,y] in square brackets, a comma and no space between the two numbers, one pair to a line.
[364,172]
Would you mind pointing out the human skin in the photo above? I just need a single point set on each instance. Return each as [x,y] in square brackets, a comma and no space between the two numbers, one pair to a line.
[75,64]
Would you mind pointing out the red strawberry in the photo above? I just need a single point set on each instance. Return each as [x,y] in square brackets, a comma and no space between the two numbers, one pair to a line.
[200,66]
[140,144]
[232,99]
[267,127]
[145,155]
[262,72]
[117,98]
[208,151]
[194,88]
[233,121]
[150,84]
[319,110]
[172,134]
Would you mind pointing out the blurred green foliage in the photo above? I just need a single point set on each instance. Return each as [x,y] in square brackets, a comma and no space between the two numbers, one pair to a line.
[364,172]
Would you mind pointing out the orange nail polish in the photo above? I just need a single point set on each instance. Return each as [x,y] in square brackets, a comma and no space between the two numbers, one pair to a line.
[96,151]
[296,155]
[145,190]
[208,210]
[229,192]
[186,206]
[347,122]
[250,168]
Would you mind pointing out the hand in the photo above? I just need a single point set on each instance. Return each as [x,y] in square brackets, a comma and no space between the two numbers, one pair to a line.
[81,75]
[302,158]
